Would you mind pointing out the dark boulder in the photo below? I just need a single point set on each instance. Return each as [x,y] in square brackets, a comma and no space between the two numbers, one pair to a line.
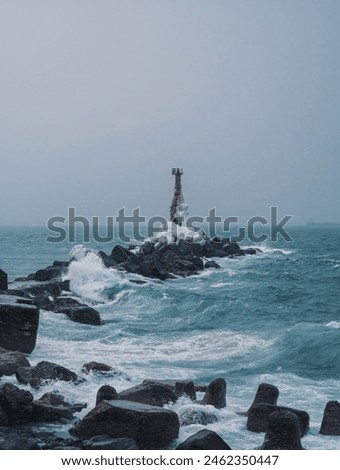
[50,272]
[150,393]
[119,254]
[19,320]
[106,392]
[153,266]
[104,442]
[204,440]
[179,387]
[42,293]
[216,394]
[233,249]
[283,432]
[57,400]
[266,393]
[151,427]
[3,280]
[258,417]
[44,372]
[107,260]
[16,404]
[83,314]
[191,414]
[10,361]
[96,367]
[45,413]
[330,425]
[211,264]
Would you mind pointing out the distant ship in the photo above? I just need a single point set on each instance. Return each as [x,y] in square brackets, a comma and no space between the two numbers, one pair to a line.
[311,223]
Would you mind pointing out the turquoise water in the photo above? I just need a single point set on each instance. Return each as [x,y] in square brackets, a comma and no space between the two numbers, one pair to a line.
[274,318]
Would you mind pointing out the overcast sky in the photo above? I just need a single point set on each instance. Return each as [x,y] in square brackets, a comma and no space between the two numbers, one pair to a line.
[99,99]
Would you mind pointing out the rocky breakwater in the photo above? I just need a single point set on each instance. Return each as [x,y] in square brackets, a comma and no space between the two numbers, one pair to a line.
[160,259]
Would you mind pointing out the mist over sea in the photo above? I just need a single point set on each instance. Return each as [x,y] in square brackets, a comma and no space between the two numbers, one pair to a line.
[273,317]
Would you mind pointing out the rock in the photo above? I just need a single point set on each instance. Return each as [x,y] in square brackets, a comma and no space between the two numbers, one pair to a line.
[211,264]
[185,389]
[19,320]
[106,392]
[3,280]
[55,399]
[258,417]
[96,367]
[151,427]
[49,273]
[216,394]
[44,372]
[44,413]
[42,293]
[16,404]
[204,440]
[119,254]
[191,414]
[10,361]
[330,425]
[83,314]
[233,249]
[283,432]
[150,393]
[266,393]
[109,443]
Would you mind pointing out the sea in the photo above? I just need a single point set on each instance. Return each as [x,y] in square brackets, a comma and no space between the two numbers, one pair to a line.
[273,317]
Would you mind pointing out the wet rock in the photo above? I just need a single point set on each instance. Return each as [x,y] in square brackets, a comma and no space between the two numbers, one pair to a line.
[211,264]
[216,394]
[204,440]
[258,417]
[151,427]
[19,320]
[44,372]
[57,400]
[233,249]
[96,367]
[183,388]
[266,393]
[45,413]
[16,404]
[191,414]
[330,425]
[3,280]
[49,273]
[83,314]
[106,392]
[43,294]
[150,393]
[10,361]
[283,432]
[109,443]
[120,254]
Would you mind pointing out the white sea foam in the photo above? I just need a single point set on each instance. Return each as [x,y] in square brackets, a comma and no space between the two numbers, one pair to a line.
[333,324]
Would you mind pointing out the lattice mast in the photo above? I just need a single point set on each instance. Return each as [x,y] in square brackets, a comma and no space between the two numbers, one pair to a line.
[178,203]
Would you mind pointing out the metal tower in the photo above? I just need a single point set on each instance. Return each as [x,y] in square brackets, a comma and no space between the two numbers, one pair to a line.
[178,208]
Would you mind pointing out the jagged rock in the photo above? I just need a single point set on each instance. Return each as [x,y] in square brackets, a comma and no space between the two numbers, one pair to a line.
[204,440]
[258,417]
[10,361]
[3,280]
[233,249]
[330,425]
[106,392]
[120,254]
[19,320]
[55,399]
[150,393]
[190,414]
[44,413]
[16,404]
[43,294]
[185,389]
[45,371]
[211,264]
[49,273]
[283,432]
[83,314]
[216,394]
[96,367]
[109,443]
[151,427]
